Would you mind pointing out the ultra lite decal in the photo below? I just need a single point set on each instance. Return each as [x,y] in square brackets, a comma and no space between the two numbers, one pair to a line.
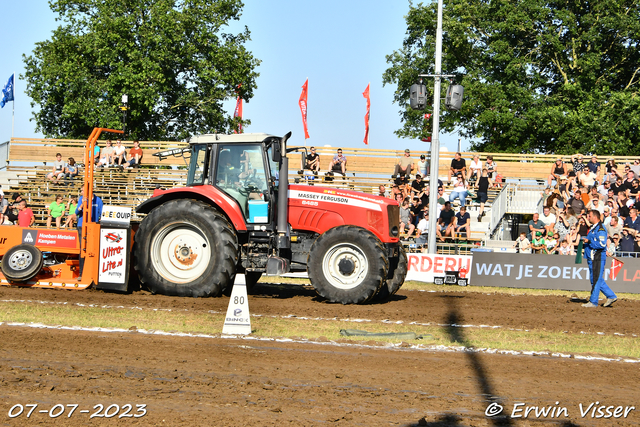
[310,198]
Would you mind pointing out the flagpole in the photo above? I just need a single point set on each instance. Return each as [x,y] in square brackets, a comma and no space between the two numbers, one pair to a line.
[13,106]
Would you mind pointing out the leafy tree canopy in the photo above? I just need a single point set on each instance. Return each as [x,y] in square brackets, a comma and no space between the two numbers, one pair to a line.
[539,76]
[171,57]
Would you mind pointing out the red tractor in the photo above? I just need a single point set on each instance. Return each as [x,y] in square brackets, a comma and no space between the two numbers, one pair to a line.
[238,214]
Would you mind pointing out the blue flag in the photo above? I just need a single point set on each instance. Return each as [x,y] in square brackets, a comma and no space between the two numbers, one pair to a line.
[7,92]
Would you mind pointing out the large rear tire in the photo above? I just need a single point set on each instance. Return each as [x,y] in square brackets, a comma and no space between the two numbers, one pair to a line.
[22,263]
[395,277]
[347,265]
[185,248]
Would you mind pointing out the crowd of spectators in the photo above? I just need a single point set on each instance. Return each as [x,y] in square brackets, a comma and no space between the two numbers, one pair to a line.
[612,191]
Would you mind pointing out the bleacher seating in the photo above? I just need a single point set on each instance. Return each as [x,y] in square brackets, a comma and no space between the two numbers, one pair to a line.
[366,169]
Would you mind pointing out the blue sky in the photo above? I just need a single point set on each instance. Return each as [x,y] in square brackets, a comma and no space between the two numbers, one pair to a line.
[340,46]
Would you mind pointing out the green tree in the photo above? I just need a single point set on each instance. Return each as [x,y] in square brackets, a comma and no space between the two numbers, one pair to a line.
[171,57]
[539,76]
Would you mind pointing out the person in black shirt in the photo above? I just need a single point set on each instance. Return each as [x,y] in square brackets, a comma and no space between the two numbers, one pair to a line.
[417,186]
[458,165]
[483,184]
[445,222]
[313,161]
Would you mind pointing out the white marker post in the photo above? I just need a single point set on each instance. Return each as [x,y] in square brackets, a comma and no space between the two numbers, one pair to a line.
[238,321]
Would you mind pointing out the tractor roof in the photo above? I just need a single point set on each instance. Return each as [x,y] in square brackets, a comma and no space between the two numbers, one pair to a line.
[216,138]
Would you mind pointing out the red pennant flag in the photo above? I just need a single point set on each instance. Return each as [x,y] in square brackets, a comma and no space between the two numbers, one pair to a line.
[303,108]
[366,116]
[427,116]
[616,266]
[238,113]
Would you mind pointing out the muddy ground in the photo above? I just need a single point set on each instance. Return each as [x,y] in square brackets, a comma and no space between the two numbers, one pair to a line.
[230,382]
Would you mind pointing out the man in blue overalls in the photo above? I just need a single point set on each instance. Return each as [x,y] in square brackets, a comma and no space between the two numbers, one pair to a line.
[595,250]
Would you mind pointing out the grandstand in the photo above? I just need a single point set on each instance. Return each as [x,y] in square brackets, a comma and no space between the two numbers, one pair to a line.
[29,160]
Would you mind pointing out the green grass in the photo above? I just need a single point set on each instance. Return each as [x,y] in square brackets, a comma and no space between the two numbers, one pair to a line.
[313,329]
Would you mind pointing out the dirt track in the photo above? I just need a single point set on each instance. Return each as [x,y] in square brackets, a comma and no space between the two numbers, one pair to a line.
[208,381]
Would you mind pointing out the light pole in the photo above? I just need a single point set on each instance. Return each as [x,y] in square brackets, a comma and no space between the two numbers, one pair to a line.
[124,108]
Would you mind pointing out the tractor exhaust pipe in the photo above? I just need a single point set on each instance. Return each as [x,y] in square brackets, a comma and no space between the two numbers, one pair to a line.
[279,265]
[283,197]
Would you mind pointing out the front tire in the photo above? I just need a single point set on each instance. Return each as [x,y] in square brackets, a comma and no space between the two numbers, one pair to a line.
[347,265]
[186,248]
[22,263]
[395,277]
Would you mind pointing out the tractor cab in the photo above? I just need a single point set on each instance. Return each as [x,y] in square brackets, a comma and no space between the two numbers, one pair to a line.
[242,167]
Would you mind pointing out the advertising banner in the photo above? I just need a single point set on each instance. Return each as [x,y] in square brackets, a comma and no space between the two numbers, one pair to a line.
[549,272]
[114,258]
[424,267]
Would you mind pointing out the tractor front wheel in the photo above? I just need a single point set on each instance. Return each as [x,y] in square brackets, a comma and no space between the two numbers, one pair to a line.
[186,248]
[347,265]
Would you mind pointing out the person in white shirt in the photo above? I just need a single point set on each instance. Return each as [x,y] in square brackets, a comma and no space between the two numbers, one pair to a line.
[548,218]
[423,229]
[522,244]
[595,204]
[423,166]
[475,168]
[119,154]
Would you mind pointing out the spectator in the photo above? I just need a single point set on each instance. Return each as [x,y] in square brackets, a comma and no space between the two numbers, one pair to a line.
[135,155]
[574,237]
[475,168]
[576,202]
[563,224]
[610,166]
[587,178]
[583,227]
[548,218]
[312,161]
[458,166]
[564,248]
[635,167]
[551,243]
[14,208]
[614,226]
[522,244]
[538,244]
[483,184]
[395,190]
[417,187]
[25,215]
[96,155]
[627,242]
[56,210]
[594,166]
[422,230]
[606,216]
[404,167]
[70,171]
[57,173]
[535,225]
[491,166]
[632,222]
[4,206]
[72,205]
[119,154]
[459,190]
[603,190]
[617,186]
[423,166]
[96,210]
[445,222]
[382,191]
[622,203]
[106,155]
[462,223]
[339,163]
[405,219]
[558,170]
[555,201]
[632,192]
[595,204]
[578,165]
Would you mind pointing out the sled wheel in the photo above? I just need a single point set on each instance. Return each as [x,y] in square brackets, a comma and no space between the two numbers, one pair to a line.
[22,263]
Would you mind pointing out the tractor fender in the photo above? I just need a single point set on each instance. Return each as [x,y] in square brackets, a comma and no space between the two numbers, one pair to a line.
[207,194]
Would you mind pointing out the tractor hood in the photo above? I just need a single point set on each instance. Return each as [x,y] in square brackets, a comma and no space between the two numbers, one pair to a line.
[318,209]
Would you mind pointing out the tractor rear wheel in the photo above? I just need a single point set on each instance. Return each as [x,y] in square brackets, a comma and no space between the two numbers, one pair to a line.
[347,265]
[395,276]
[185,248]
[22,263]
